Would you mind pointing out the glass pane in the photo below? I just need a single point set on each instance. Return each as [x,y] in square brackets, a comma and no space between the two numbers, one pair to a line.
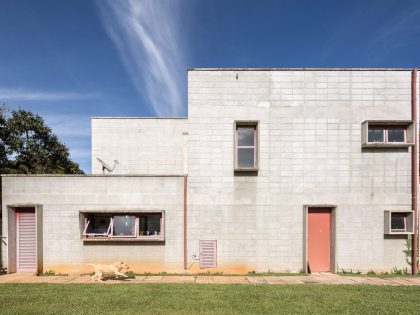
[99,224]
[246,157]
[396,134]
[124,225]
[245,135]
[398,221]
[150,224]
[376,134]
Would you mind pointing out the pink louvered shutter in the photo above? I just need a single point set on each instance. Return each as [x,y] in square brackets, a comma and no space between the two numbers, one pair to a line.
[208,254]
[26,241]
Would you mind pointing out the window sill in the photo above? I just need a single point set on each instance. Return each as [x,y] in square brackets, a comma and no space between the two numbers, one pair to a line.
[387,145]
[399,233]
[253,169]
[123,239]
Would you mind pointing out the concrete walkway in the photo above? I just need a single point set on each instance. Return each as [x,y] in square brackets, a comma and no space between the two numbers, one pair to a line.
[317,278]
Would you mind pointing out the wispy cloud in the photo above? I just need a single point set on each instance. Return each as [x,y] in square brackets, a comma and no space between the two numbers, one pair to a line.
[7,94]
[69,126]
[406,22]
[146,35]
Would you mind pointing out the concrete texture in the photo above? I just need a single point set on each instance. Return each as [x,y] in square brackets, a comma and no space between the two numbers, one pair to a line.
[146,146]
[310,154]
[63,197]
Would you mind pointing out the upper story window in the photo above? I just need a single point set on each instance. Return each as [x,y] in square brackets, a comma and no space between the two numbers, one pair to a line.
[387,133]
[246,146]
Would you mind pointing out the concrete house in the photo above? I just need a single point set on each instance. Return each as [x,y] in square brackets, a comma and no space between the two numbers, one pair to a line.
[273,170]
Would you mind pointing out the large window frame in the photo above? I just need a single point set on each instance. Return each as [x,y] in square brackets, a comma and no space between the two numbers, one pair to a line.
[383,128]
[86,219]
[246,124]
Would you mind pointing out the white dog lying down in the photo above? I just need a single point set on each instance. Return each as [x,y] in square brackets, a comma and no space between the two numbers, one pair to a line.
[112,270]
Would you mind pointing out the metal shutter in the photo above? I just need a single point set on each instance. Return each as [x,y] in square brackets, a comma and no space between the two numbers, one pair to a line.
[208,254]
[26,242]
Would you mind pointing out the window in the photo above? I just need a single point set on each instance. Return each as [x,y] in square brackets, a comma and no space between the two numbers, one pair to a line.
[150,224]
[124,226]
[386,134]
[399,222]
[137,226]
[246,146]
[99,225]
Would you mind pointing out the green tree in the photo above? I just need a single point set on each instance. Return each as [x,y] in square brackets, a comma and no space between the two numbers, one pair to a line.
[28,146]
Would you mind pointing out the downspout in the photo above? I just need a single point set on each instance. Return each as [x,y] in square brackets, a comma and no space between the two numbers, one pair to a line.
[185,224]
[414,170]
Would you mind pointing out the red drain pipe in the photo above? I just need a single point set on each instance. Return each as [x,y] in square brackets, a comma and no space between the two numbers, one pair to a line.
[185,223]
[414,170]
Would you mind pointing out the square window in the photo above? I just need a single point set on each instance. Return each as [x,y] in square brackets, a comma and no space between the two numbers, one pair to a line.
[398,221]
[150,224]
[376,134]
[97,225]
[124,225]
[246,146]
[396,134]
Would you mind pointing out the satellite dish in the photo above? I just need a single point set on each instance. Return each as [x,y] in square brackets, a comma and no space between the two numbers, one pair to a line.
[105,166]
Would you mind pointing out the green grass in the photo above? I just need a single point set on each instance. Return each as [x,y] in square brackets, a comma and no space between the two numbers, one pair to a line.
[378,275]
[206,299]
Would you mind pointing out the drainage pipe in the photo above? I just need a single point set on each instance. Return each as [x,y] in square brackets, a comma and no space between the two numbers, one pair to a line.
[414,170]
[185,224]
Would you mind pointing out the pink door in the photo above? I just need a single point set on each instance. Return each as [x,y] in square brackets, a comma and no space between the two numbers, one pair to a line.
[319,239]
[25,241]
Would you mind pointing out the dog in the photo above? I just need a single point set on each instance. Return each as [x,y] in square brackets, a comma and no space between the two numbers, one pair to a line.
[112,270]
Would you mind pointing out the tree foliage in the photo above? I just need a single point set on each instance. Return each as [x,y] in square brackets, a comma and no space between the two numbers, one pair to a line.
[28,146]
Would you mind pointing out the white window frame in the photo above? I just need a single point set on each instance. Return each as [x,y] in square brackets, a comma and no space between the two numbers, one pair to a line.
[246,123]
[385,130]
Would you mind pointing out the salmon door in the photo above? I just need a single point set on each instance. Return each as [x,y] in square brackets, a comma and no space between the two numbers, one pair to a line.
[319,239]
[25,240]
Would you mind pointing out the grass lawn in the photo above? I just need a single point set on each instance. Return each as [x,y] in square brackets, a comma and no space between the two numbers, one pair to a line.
[206,299]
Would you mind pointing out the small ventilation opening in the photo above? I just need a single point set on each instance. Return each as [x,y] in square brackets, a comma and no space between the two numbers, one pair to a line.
[208,254]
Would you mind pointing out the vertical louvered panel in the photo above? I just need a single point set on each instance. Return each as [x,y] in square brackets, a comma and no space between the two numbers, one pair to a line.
[208,254]
[26,241]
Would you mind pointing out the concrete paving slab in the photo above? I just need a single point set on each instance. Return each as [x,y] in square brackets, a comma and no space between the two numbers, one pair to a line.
[256,280]
[204,279]
[318,278]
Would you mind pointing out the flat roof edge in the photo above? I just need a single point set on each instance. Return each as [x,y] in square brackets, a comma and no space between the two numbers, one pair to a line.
[300,69]
[127,117]
[92,175]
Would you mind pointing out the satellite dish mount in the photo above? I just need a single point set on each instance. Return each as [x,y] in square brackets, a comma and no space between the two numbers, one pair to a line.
[105,166]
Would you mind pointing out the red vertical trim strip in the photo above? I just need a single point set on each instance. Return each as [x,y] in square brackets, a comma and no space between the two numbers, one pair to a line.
[414,169]
[185,223]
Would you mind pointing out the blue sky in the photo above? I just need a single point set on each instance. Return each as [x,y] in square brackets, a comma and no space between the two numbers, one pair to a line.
[70,60]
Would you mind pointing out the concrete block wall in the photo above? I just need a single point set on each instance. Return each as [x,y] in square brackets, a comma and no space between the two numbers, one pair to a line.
[63,197]
[310,154]
[146,146]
